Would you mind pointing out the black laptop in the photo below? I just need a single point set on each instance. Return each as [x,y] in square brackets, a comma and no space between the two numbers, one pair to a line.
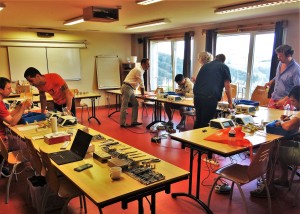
[77,152]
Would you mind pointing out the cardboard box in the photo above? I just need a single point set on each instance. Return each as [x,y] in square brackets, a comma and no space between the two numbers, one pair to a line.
[58,137]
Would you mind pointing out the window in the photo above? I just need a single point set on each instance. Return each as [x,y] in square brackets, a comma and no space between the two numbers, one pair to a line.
[166,62]
[248,56]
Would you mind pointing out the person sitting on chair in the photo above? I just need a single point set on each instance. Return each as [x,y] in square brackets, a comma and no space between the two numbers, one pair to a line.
[185,88]
[289,150]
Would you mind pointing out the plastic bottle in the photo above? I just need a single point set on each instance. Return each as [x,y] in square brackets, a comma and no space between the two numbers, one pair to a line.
[231,136]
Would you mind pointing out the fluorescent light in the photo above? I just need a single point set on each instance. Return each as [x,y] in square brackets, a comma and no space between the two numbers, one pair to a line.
[252,5]
[2,6]
[74,21]
[148,24]
[146,2]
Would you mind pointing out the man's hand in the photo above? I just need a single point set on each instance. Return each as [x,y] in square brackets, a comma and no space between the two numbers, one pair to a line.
[284,117]
[27,104]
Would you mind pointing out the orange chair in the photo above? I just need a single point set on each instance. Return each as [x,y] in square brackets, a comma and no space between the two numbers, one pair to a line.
[260,94]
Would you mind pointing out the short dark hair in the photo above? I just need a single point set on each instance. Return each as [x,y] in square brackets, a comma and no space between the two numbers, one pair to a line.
[220,57]
[3,82]
[286,49]
[295,92]
[179,77]
[144,60]
[31,72]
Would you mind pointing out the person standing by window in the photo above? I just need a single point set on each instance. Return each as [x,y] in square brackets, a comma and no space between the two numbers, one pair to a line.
[287,76]
[203,58]
[208,88]
[133,80]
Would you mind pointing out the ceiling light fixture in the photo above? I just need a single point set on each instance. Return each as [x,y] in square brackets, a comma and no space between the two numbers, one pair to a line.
[2,6]
[74,21]
[146,2]
[148,24]
[252,5]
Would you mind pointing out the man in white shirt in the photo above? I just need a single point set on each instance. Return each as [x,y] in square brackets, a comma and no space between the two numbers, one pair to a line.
[133,80]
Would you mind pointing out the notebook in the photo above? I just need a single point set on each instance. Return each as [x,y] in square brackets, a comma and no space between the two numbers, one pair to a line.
[77,152]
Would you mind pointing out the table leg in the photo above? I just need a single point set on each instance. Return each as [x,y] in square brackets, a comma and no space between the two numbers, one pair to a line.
[189,194]
[94,111]
[141,208]
[157,114]
[118,104]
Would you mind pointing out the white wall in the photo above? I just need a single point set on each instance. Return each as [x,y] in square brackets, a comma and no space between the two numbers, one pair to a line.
[97,44]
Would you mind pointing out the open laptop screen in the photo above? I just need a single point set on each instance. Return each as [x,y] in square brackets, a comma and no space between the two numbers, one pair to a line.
[81,143]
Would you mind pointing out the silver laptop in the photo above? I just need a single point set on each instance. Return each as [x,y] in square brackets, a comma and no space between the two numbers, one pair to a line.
[77,152]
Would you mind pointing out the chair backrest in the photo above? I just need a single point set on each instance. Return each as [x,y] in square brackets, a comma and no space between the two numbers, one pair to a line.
[3,149]
[35,159]
[51,175]
[260,94]
[259,164]
[234,91]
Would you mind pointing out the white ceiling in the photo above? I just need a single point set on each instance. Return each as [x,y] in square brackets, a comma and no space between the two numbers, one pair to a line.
[49,15]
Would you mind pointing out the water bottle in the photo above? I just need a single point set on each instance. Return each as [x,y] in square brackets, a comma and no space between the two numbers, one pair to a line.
[231,137]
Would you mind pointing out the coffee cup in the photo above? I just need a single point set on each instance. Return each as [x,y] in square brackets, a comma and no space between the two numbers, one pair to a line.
[115,172]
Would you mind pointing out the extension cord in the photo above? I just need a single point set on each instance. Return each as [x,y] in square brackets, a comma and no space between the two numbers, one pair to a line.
[211,161]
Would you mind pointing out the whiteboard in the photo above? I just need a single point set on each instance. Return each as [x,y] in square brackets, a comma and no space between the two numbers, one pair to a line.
[65,62]
[108,72]
[21,58]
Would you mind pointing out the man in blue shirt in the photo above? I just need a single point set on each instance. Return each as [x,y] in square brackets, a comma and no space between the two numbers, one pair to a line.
[287,76]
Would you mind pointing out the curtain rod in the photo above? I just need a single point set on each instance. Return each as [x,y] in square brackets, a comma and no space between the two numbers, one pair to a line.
[169,36]
[248,27]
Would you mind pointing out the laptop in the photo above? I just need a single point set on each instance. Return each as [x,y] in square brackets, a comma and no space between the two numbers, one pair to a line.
[77,152]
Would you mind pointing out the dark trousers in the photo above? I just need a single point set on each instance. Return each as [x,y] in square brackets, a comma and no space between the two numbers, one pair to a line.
[60,107]
[206,108]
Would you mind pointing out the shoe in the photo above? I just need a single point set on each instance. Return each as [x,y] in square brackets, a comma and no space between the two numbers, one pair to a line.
[262,193]
[136,124]
[125,126]
[170,123]
[180,126]
[279,182]
[5,171]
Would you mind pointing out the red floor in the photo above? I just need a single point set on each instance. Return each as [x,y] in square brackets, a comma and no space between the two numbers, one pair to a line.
[168,150]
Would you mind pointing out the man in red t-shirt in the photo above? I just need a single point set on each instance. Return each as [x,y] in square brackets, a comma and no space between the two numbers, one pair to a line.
[53,84]
[10,117]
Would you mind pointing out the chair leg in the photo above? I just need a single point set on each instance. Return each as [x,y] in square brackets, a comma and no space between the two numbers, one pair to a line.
[231,192]
[269,197]
[243,197]
[211,190]
[9,181]
[81,113]
[292,176]
[65,207]
[45,199]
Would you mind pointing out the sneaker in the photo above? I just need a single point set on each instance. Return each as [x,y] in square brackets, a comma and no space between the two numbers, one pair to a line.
[5,171]
[279,182]
[170,123]
[262,193]
[125,126]
[136,124]
[180,126]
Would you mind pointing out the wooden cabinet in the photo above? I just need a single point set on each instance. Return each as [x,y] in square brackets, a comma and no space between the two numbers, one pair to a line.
[125,68]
